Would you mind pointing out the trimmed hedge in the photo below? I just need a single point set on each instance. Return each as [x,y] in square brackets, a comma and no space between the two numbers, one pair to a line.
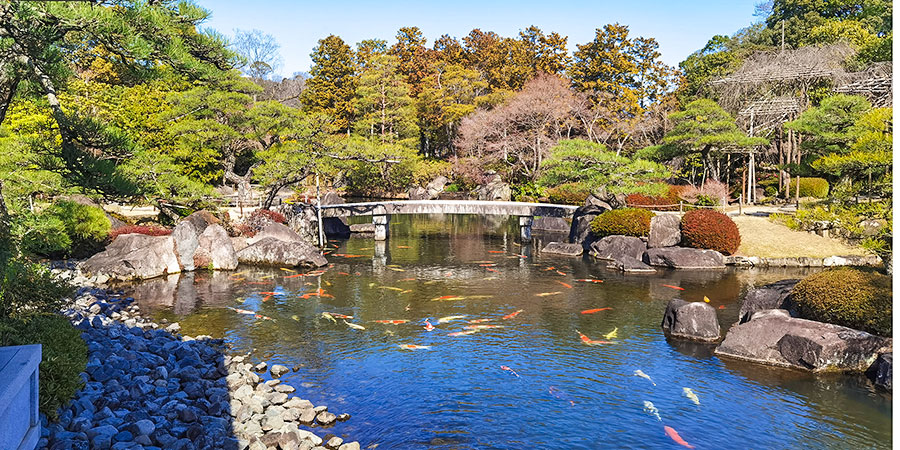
[568,194]
[809,187]
[704,228]
[672,197]
[626,221]
[65,229]
[63,356]
[269,214]
[845,296]
[139,229]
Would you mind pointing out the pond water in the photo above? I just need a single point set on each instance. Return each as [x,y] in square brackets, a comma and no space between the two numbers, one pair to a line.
[558,391]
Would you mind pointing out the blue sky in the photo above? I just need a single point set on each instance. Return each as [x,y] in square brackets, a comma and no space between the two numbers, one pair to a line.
[680,27]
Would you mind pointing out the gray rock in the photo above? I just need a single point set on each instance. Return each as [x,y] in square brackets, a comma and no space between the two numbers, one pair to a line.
[771,296]
[628,264]
[295,402]
[142,427]
[684,258]
[773,337]
[593,200]
[362,228]
[580,232]
[665,231]
[134,256]
[274,252]
[613,247]
[173,328]
[881,371]
[309,436]
[551,224]
[187,233]
[349,446]
[325,418]
[278,370]
[214,249]
[561,248]
[334,442]
[307,416]
[494,189]
[287,389]
[695,321]
[278,398]
[277,231]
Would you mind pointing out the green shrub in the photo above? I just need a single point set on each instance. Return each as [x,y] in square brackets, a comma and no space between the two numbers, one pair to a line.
[28,288]
[526,192]
[452,187]
[64,229]
[845,296]
[627,221]
[569,194]
[809,187]
[704,228]
[63,355]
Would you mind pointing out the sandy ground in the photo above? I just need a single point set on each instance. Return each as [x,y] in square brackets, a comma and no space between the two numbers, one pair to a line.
[764,238]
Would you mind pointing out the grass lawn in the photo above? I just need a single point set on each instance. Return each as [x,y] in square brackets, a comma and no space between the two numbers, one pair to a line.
[764,238]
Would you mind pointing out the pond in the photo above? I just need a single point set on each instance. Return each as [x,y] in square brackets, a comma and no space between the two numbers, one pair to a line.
[504,366]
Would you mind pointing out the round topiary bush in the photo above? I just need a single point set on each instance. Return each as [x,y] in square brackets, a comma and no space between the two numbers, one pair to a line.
[844,296]
[568,194]
[809,187]
[705,228]
[626,221]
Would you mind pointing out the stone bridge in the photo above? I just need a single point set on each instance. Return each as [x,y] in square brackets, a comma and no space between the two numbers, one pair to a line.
[381,211]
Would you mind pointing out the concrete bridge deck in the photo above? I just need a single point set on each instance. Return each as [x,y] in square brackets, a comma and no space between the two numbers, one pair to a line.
[480,207]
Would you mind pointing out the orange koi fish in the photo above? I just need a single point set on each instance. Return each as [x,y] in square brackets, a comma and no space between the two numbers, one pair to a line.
[344,274]
[488,265]
[295,276]
[480,320]
[549,269]
[513,314]
[564,284]
[267,298]
[510,371]
[402,246]
[721,306]
[391,322]
[522,256]
[673,287]
[258,316]
[462,333]
[589,341]
[561,272]
[414,347]
[428,326]
[448,297]
[670,432]
[589,280]
[490,269]
[591,311]
[496,251]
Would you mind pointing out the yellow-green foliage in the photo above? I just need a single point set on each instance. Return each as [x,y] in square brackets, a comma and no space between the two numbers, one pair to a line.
[569,194]
[65,228]
[810,187]
[63,355]
[850,297]
[627,222]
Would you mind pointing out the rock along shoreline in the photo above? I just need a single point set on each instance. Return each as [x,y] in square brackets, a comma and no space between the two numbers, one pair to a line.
[149,388]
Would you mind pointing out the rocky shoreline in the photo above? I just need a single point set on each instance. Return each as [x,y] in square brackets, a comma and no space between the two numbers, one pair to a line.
[149,387]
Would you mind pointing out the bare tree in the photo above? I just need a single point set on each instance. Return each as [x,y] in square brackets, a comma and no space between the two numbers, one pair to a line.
[259,52]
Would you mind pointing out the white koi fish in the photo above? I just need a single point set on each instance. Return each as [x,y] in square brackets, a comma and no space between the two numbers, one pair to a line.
[643,375]
[650,409]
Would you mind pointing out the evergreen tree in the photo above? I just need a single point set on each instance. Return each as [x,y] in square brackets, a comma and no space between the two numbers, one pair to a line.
[332,87]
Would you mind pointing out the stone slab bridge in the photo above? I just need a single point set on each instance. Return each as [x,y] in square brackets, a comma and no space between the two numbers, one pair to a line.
[381,211]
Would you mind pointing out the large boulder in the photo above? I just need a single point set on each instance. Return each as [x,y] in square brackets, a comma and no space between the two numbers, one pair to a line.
[271,251]
[684,258]
[631,265]
[562,248]
[593,200]
[186,235]
[135,257]
[580,231]
[418,193]
[550,224]
[214,249]
[276,231]
[332,198]
[774,337]
[303,220]
[494,189]
[665,231]
[694,321]
[431,190]
[881,371]
[771,296]
[613,247]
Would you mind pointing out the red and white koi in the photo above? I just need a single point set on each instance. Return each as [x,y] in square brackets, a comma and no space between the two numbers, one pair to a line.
[414,347]
[428,326]
[390,321]
[670,432]
[588,341]
[510,371]
[513,314]
[589,280]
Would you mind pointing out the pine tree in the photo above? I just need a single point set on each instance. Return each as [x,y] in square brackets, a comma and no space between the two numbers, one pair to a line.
[332,87]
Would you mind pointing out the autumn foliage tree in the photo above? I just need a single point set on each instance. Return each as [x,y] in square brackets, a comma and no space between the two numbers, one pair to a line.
[332,87]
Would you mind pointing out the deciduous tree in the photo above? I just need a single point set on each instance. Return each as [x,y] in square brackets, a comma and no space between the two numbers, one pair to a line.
[332,86]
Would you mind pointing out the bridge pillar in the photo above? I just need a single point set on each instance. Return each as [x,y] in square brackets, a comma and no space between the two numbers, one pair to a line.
[525,227]
[381,226]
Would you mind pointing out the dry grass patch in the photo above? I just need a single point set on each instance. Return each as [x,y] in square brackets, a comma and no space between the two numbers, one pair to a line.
[766,239]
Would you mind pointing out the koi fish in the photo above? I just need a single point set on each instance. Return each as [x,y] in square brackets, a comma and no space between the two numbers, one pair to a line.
[560,395]
[589,280]
[649,408]
[721,306]
[673,287]
[390,288]
[396,269]
[522,256]
[328,283]
[482,327]
[344,274]
[355,326]
[391,321]
[345,255]
[428,326]
[295,318]
[449,318]
[408,279]
[496,251]
[487,265]
[267,298]
[483,262]
[447,297]
[547,294]
[480,320]
[414,347]
[462,333]
[242,311]
[595,310]
[561,272]
[238,279]
[706,299]
[341,316]
[670,432]
[549,269]
[259,316]
[286,269]
[641,374]
[267,277]
[366,248]
[258,282]
[327,315]
[269,293]
[406,291]
[564,284]
[490,269]
[295,275]
[513,314]
[402,246]
[588,341]
[612,334]
[245,272]
[510,371]
[691,395]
